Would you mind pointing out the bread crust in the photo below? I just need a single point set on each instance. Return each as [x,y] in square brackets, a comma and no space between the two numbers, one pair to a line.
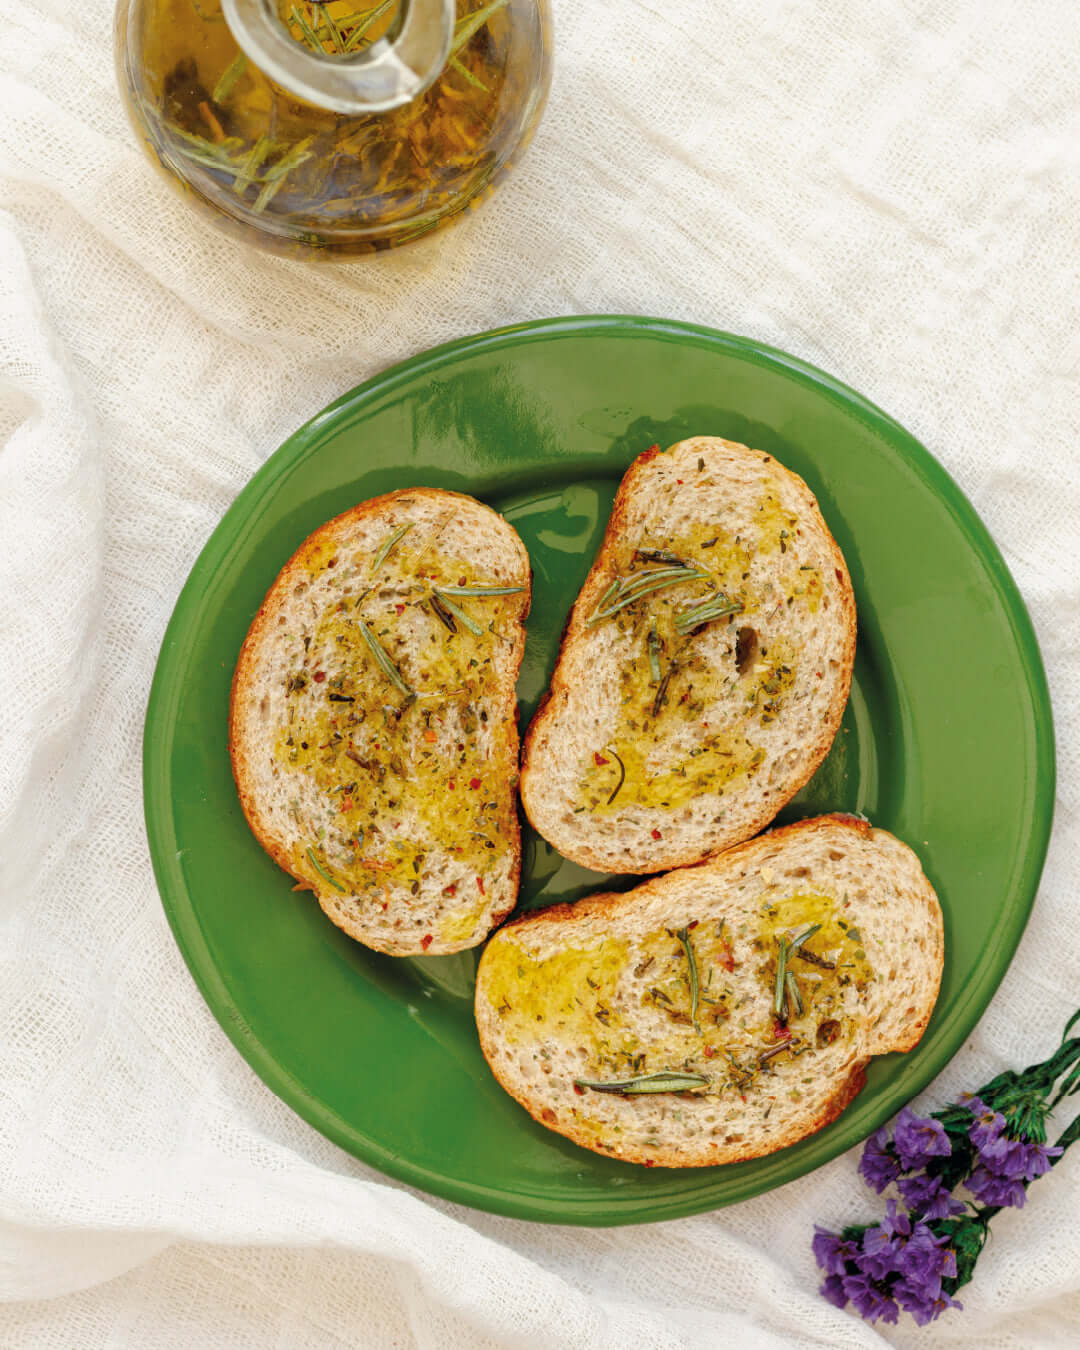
[612,913]
[594,850]
[247,674]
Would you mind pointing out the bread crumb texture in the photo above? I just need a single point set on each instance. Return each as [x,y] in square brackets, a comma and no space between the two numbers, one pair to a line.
[705,668]
[681,975]
[373,723]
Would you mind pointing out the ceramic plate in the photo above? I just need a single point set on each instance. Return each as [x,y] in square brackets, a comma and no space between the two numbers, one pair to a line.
[947,740]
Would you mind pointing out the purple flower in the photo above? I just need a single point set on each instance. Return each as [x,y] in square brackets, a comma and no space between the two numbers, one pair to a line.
[990,1189]
[922,1262]
[878,1165]
[879,1254]
[913,1300]
[896,1222]
[1024,1161]
[986,1131]
[928,1196]
[833,1290]
[868,1300]
[918,1138]
[831,1251]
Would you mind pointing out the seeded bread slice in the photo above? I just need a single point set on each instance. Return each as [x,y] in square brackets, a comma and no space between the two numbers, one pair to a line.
[373,726]
[662,741]
[576,998]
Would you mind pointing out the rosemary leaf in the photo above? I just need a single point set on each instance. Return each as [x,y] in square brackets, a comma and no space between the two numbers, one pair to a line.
[715,607]
[480,590]
[275,176]
[622,773]
[459,613]
[798,941]
[298,17]
[795,1003]
[443,614]
[658,555]
[472,23]
[332,881]
[467,75]
[652,643]
[385,664]
[773,1051]
[389,544]
[661,693]
[683,934]
[781,968]
[668,1080]
[354,38]
[252,164]
[332,28]
[230,75]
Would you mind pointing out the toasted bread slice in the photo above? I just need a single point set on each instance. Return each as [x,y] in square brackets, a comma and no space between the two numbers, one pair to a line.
[705,667]
[373,723]
[679,976]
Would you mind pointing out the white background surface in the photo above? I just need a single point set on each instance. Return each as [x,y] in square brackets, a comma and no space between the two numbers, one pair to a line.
[887,189]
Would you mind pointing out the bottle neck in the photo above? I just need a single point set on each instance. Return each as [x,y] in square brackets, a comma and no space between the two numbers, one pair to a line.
[394,70]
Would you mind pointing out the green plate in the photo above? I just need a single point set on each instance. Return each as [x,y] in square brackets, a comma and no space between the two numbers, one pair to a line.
[947,740]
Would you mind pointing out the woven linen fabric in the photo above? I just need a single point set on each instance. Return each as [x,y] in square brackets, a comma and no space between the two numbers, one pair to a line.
[891,191]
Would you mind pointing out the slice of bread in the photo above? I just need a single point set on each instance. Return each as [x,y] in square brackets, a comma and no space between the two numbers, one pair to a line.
[679,977]
[671,731]
[373,726]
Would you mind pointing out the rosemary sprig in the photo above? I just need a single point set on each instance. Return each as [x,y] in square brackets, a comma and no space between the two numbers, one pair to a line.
[661,693]
[366,20]
[683,934]
[251,165]
[714,607]
[479,590]
[814,959]
[472,23]
[796,942]
[275,176]
[652,644]
[227,83]
[781,969]
[625,590]
[443,614]
[331,27]
[332,881]
[467,75]
[458,612]
[389,544]
[622,773]
[385,664]
[667,1080]
[298,17]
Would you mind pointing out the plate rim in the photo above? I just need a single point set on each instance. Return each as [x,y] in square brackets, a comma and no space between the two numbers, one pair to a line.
[163,697]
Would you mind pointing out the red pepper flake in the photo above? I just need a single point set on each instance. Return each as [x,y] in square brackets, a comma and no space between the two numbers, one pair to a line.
[692,925]
[450,784]
[480,883]
[399,609]
[599,758]
[657,835]
[839,575]
[780,1032]
[346,804]
[429,736]
[462,581]
[651,1162]
[579,1090]
[319,676]
[678,480]
[711,1052]
[451,889]
[728,958]
[426,941]
[474,783]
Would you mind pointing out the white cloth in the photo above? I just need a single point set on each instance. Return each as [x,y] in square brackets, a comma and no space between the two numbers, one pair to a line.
[889,190]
